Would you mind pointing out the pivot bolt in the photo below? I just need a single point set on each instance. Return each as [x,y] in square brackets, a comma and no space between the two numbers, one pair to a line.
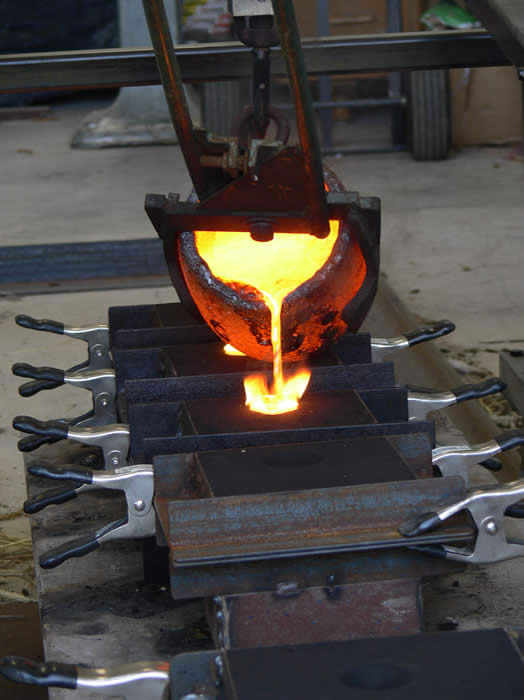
[219,669]
[104,403]
[261,229]
[139,505]
[491,526]
[115,461]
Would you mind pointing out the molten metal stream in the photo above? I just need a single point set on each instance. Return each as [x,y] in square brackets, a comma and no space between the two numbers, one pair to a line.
[274,269]
[284,394]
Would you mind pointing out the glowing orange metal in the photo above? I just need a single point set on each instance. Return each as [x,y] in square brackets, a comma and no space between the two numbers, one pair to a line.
[230,350]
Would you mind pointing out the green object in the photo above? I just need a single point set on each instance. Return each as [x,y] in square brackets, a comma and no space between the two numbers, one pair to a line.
[448,15]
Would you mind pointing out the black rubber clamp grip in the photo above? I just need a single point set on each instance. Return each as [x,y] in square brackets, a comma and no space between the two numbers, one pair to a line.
[32,388]
[33,442]
[40,324]
[51,374]
[51,497]
[492,463]
[50,429]
[75,548]
[510,439]
[420,335]
[52,675]
[516,510]
[30,443]
[477,391]
[67,472]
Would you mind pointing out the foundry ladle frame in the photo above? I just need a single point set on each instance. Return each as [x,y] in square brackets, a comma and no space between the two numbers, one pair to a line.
[223,173]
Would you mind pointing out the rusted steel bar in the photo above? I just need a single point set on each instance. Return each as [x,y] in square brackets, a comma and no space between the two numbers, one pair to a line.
[305,116]
[209,531]
[172,83]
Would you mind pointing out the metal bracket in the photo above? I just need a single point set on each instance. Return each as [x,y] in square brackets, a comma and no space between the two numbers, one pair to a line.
[113,439]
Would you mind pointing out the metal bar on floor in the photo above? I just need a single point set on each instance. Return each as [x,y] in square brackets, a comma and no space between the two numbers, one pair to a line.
[57,267]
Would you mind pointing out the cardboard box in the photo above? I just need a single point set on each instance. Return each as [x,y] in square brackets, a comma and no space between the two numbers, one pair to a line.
[356,16]
[486,106]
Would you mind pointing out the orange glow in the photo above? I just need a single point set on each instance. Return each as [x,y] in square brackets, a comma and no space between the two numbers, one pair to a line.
[274,268]
[230,350]
[261,399]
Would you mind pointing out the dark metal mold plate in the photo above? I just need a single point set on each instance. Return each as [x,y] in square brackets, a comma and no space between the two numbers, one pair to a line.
[302,466]
[452,665]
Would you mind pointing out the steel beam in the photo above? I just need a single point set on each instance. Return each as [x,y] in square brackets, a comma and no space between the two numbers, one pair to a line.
[109,68]
[505,21]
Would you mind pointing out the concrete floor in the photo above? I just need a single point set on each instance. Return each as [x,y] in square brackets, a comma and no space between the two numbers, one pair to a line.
[452,246]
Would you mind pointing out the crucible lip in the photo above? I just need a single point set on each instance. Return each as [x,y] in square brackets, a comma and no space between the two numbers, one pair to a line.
[189,252]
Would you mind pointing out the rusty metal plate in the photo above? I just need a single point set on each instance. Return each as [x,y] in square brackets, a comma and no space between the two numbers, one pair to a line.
[299,523]
[320,614]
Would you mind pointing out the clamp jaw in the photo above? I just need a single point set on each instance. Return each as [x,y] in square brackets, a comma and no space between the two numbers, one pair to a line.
[422,402]
[382,347]
[454,460]
[113,438]
[101,382]
[488,508]
[137,484]
[134,681]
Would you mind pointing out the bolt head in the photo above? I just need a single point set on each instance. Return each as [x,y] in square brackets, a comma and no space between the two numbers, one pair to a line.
[219,667]
[139,505]
[491,526]
[104,403]
[115,461]
[99,352]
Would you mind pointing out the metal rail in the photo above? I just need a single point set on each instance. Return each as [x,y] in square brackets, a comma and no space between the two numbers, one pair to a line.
[40,72]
